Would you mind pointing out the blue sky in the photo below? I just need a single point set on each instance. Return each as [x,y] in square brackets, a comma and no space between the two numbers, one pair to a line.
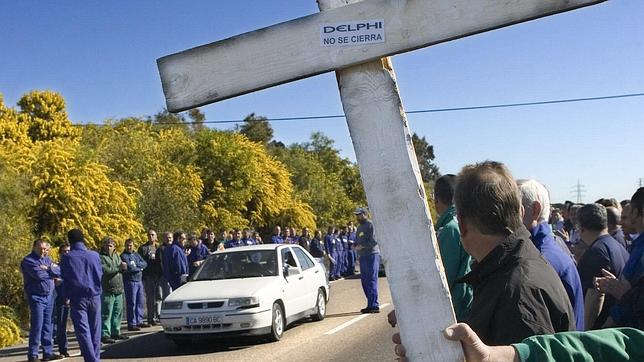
[101,56]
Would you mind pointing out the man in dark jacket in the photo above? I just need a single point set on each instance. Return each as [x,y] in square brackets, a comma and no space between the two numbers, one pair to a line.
[603,252]
[81,270]
[166,289]
[516,293]
[151,277]
[133,286]
[112,296]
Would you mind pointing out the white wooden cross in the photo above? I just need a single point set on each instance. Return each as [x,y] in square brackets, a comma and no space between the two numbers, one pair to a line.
[351,37]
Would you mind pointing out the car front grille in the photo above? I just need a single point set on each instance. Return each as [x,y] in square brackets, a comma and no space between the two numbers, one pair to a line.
[205,305]
[208,327]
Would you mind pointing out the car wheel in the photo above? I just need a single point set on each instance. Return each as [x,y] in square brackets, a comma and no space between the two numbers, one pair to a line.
[320,307]
[278,322]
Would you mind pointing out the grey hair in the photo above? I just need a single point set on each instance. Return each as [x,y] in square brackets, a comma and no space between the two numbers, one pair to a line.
[531,191]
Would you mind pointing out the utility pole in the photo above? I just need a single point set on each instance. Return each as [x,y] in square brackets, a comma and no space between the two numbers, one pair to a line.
[640,182]
[580,190]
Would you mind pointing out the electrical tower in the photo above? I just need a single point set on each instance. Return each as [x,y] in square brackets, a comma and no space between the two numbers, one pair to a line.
[580,190]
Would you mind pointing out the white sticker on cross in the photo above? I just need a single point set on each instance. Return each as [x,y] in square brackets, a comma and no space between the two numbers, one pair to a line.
[353,33]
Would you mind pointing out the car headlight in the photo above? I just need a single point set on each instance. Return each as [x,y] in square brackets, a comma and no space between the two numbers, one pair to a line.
[172,305]
[250,302]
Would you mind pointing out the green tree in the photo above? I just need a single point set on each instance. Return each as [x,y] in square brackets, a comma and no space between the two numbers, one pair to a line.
[425,155]
[244,186]
[165,119]
[158,162]
[349,174]
[322,190]
[170,199]
[330,184]
[197,117]
[256,129]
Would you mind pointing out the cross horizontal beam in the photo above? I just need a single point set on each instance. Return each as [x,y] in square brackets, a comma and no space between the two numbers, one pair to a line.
[295,49]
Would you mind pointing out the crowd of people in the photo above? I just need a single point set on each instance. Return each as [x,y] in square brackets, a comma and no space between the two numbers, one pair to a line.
[94,288]
[516,267]
[549,281]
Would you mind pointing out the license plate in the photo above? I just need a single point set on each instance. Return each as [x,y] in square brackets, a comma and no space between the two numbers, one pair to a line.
[205,319]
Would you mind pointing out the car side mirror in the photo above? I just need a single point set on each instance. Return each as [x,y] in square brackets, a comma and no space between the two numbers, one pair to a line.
[293,270]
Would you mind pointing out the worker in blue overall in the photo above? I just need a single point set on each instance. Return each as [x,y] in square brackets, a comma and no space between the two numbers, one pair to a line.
[198,253]
[276,238]
[61,313]
[82,271]
[235,242]
[246,238]
[351,257]
[175,263]
[330,244]
[369,253]
[133,286]
[40,274]
[344,251]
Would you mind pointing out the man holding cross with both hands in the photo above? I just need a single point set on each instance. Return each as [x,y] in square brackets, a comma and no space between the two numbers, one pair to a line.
[485,192]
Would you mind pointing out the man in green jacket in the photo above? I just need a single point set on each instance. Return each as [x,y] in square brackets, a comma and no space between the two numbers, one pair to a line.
[112,296]
[610,344]
[455,260]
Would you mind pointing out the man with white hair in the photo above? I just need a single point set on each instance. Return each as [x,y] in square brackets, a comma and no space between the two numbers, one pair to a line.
[536,205]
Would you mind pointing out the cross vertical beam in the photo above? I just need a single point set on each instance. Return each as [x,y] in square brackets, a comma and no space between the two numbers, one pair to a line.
[396,195]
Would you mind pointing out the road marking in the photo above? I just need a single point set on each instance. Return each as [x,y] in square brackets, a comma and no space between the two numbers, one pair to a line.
[352,321]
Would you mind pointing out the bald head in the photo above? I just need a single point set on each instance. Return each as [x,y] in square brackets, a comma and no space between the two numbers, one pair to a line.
[614,216]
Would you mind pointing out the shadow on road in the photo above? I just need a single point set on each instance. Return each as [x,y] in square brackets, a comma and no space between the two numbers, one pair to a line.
[157,345]
[337,315]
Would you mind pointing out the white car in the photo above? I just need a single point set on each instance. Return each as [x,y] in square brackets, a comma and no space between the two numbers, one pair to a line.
[251,290]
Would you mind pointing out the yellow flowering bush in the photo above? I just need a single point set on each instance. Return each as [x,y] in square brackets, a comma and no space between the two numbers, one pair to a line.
[9,330]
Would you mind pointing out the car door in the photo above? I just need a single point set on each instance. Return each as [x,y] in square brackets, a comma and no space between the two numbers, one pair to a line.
[295,292]
[311,277]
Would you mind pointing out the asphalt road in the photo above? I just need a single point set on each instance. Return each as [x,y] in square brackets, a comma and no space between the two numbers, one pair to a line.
[344,334]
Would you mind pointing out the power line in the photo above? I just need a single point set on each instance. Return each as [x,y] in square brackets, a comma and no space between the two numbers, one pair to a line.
[435,110]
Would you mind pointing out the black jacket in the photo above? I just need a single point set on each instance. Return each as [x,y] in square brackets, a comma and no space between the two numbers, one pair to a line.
[153,271]
[517,294]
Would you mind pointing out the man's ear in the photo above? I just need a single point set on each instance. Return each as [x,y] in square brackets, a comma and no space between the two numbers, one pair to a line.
[536,210]
[461,225]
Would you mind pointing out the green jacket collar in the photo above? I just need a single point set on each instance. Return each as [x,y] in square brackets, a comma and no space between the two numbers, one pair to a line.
[446,217]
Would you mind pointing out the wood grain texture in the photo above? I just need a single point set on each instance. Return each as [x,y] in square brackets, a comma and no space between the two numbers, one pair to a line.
[395,192]
[292,50]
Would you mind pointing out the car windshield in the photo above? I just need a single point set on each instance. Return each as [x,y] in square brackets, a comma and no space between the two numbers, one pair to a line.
[238,264]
